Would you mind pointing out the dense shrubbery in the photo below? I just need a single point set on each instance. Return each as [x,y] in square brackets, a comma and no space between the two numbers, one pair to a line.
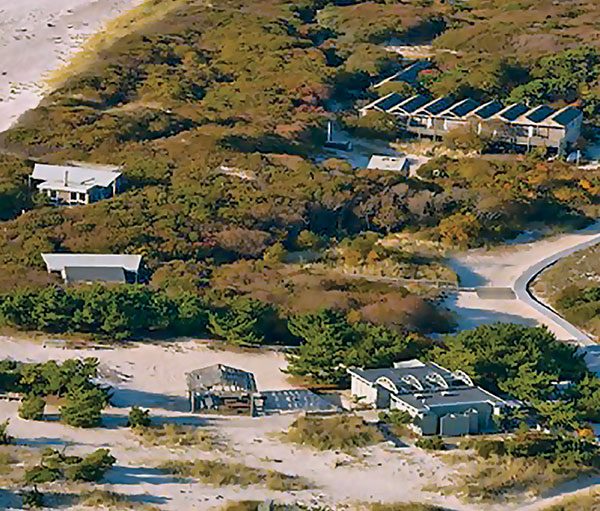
[431,443]
[527,363]
[72,380]
[119,312]
[138,417]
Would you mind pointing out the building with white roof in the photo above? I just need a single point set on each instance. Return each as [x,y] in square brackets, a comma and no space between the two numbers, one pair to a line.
[73,185]
[393,163]
[515,124]
[87,268]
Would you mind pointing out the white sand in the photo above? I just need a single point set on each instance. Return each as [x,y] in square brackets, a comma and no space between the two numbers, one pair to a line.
[38,36]
[500,267]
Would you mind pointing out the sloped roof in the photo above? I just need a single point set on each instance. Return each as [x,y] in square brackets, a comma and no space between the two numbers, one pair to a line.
[540,113]
[438,105]
[73,274]
[511,112]
[463,107]
[204,379]
[488,109]
[58,262]
[386,102]
[71,175]
[413,103]
[566,115]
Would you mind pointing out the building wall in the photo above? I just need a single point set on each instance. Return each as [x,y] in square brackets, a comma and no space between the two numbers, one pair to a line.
[359,388]
[427,424]
[454,424]
[484,412]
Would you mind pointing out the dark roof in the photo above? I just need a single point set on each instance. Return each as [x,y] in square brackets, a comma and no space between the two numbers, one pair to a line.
[414,103]
[401,377]
[295,399]
[514,111]
[389,101]
[567,115]
[467,395]
[540,113]
[411,72]
[203,380]
[489,109]
[439,105]
[94,274]
[464,107]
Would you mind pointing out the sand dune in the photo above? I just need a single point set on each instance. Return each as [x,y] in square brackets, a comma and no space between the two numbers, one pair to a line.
[38,36]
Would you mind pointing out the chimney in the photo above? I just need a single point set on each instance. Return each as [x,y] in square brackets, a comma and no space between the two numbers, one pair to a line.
[66,177]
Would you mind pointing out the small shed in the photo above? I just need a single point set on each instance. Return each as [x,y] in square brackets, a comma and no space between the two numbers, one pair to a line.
[216,385]
[393,163]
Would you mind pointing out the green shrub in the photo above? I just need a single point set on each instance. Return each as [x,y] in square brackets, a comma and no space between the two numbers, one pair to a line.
[32,498]
[138,417]
[32,407]
[431,443]
[83,408]
[486,448]
[40,474]
[5,438]
[92,467]
[396,417]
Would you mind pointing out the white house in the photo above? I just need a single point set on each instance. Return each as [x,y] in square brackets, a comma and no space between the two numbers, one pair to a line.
[87,268]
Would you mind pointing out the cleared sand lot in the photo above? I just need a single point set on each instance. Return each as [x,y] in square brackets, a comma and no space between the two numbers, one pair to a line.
[38,36]
[152,375]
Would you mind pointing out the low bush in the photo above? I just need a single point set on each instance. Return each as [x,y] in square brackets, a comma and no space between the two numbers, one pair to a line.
[344,432]
[32,499]
[486,448]
[102,499]
[5,438]
[56,466]
[220,473]
[175,435]
[83,408]
[431,443]
[32,407]
[138,418]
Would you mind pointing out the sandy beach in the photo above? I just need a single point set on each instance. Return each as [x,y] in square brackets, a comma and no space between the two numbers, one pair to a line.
[38,36]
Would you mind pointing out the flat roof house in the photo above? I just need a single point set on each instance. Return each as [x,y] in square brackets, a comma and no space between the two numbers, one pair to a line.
[440,401]
[393,163]
[516,124]
[89,268]
[73,185]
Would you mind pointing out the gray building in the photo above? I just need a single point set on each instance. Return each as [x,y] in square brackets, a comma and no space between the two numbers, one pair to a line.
[88,268]
[516,124]
[213,386]
[440,401]
[74,185]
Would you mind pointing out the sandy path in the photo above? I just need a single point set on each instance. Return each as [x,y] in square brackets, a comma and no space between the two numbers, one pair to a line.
[502,267]
[38,36]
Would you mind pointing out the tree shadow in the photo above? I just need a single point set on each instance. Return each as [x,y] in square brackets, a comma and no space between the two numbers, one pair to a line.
[124,398]
[140,475]
[466,276]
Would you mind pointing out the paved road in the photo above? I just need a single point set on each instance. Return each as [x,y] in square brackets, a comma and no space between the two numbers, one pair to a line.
[523,293]
[514,266]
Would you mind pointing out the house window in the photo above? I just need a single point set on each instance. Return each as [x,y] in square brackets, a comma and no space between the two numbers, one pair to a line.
[53,194]
[81,197]
[73,196]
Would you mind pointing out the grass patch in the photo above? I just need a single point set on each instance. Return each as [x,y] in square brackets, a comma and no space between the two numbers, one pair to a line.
[101,499]
[411,506]
[343,433]
[498,477]
[223,473]
[585,501]
[175,435]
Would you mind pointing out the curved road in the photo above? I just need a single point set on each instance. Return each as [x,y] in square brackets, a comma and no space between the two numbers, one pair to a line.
[515,266]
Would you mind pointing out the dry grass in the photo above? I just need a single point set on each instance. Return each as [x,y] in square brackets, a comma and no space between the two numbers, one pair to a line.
[174,435]
[583,501]
[411,506]
[223,473]
[100,499]
[344,433]
[13,461]
[499,477]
